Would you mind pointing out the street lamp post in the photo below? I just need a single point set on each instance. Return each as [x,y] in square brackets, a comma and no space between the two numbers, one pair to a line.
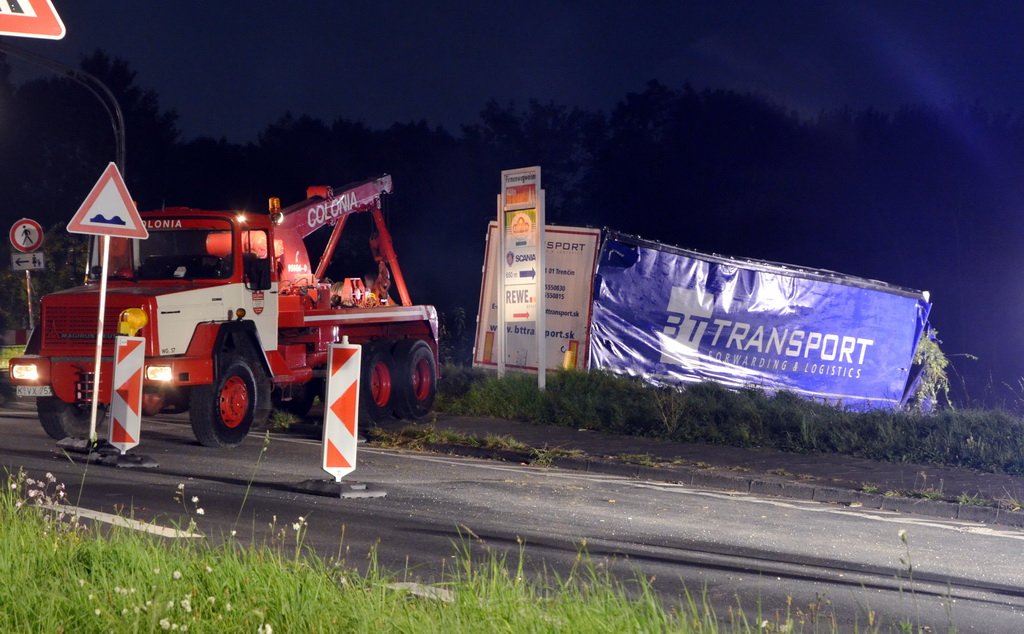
[88,81]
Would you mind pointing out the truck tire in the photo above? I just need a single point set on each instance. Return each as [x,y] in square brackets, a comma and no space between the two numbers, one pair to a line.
[377,386]
[416,379]
[223,413]
[60,419]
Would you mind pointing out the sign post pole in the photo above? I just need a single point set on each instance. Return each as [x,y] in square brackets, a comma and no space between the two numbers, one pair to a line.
[28,292]
[499,335]
[99,339]
[542,291]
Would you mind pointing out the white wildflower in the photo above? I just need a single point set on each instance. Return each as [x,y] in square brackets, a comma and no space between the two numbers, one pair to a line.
[165,624]
[195,499]
[186,605]
[200,511]
[81,582]
[97,611]
[176,574]
[181,486]
[265,629]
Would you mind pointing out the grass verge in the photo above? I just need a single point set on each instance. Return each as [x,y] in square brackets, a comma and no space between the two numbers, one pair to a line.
[62,576]
[990,440]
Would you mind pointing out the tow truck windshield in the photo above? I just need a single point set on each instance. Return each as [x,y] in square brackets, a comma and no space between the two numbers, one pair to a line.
[189,253]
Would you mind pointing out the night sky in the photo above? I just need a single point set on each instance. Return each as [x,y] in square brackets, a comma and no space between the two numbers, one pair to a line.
[230,67]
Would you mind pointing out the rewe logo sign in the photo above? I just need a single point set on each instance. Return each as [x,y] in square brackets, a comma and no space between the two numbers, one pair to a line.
[30,18]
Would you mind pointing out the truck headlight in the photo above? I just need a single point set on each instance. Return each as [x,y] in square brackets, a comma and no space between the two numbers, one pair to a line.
[159,372]
[25,372]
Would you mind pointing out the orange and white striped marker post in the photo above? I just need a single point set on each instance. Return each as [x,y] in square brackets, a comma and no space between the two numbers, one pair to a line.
[126,395]
[341,410]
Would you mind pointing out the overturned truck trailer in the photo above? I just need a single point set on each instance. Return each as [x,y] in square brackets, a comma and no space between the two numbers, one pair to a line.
[676,316]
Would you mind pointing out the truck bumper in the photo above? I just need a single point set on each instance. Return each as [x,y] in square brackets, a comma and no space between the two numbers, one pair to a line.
[72,379]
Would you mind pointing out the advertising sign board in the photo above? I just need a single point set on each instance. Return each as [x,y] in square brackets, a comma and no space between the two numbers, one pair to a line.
[570,259]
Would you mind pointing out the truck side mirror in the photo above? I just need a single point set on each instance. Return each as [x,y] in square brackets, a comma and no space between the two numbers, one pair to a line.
[257,272]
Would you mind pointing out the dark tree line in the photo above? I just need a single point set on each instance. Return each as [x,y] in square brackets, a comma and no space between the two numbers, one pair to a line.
[925,198]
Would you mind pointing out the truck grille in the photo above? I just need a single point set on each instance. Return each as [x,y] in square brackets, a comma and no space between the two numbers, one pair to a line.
[72,329]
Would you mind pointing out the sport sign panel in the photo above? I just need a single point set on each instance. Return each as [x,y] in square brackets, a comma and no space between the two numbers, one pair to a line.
[342,410]
[570,259]
[109,210]
[26,234]
[30,18]
[126,397]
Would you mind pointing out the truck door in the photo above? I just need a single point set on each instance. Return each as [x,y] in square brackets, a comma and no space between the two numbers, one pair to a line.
[260,294]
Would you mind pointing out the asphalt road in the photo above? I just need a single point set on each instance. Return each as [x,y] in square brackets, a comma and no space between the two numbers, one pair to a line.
[738,549]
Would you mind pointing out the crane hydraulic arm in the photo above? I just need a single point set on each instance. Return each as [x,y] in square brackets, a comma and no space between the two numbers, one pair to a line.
[325,207]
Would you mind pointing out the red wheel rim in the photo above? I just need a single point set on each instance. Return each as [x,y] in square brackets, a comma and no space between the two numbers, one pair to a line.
[380,384]
[234,402]
[421,380]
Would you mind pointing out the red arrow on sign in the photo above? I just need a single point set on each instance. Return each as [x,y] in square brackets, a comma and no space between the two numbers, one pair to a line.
[31,18]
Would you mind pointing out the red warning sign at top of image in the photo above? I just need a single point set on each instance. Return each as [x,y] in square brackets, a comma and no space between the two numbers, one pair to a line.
[109,210]
[30,18]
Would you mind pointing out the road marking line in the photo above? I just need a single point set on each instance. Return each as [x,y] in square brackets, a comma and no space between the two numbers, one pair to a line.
[122,522]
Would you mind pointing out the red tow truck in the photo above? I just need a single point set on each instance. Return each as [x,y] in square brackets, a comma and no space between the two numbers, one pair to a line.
[237,320]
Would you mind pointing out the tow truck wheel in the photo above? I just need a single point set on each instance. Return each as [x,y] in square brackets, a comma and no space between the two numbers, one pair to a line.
[377,387]
[60,419]
[417,379]
[223,413]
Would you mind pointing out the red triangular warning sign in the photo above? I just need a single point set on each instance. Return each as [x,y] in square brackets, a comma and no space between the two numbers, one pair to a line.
[334,458]
[127,349]
[31,18]
[129,391]
[340,358]
[345,408]
[119,434]
[108,210]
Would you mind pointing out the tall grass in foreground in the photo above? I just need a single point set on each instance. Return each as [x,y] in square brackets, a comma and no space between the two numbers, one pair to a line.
[60,576]
[991,440]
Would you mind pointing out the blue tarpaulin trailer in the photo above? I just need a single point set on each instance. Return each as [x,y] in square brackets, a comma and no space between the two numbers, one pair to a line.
[675,316]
